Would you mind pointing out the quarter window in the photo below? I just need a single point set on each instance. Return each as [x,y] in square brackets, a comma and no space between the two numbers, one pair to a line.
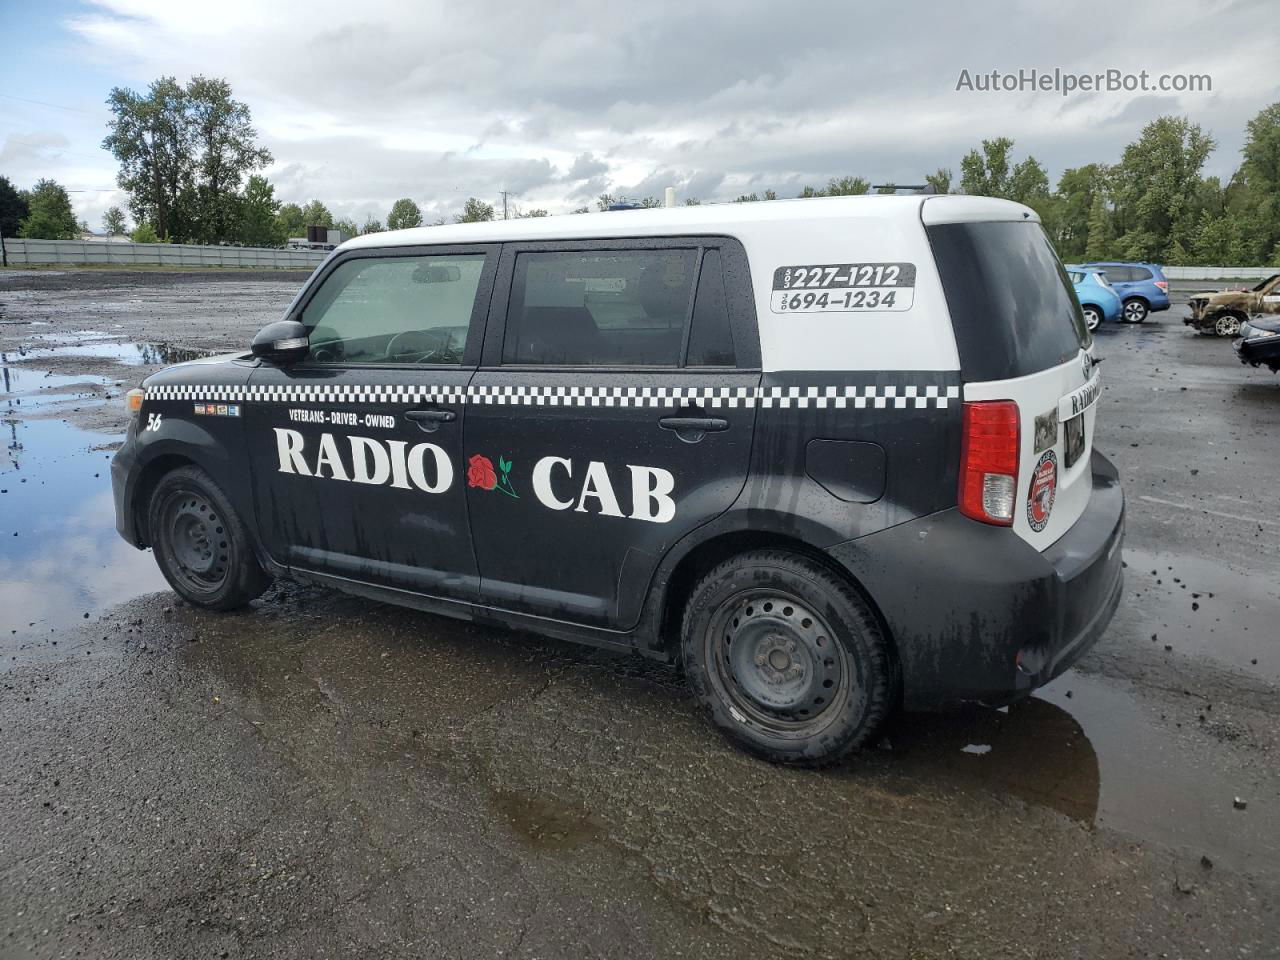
[401,310]
[600,308]
[710,336]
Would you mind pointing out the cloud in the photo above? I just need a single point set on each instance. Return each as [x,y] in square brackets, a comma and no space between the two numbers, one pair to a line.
[364,103]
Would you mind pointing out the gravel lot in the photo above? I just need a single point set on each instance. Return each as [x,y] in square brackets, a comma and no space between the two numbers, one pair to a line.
[321,776]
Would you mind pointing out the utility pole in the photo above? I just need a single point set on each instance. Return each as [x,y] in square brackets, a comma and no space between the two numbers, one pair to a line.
[504,204]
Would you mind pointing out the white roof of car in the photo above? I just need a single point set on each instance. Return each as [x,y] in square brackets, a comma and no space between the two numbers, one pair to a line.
[731,219]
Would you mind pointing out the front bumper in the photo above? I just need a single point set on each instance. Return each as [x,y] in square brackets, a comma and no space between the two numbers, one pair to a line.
[123,480]
[977,613]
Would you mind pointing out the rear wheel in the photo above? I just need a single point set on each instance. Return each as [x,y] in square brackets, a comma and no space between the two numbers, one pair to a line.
[1092,317]
[1227,324]
[1135,310]
[788,659]
[201,545]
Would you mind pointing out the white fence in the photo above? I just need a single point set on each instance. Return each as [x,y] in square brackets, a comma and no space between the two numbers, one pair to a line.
[80,252]
[1219,273]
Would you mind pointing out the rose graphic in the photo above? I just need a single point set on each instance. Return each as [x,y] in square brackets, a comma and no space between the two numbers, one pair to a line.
[480,473]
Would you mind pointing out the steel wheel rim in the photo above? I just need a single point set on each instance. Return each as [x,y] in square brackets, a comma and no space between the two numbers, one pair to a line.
[777,662]
[1134,311]
[197,541]
[1227,326]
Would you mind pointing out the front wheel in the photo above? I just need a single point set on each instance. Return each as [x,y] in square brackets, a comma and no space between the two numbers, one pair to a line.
[1227,324]
[788,659]
[201,545]
[1092,317]
[1135,311]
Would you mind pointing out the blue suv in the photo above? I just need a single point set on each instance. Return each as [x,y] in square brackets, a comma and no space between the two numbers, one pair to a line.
[1098,301]
[1141,287]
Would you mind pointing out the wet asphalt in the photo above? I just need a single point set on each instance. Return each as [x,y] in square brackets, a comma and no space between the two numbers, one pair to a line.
[322,776]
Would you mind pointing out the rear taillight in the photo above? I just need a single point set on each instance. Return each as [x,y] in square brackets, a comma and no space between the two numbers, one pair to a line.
[1163,285]
[989,461]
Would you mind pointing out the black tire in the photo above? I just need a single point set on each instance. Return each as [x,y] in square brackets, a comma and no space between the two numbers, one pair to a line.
[1135,310]
[1092,316]
[812,677]
[200,544]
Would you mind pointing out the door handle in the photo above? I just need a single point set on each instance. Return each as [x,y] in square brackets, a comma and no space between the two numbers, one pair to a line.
[691,424]
[430,420]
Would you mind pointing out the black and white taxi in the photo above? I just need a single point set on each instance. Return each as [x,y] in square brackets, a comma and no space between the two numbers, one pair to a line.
[831,456]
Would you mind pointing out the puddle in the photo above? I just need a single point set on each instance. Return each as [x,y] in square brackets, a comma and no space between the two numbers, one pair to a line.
[60,556]
[130,354]
[1098,757]
[1206,609]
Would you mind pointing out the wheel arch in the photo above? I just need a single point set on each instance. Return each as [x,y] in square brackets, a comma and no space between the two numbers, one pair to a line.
[148,477]
[678,585]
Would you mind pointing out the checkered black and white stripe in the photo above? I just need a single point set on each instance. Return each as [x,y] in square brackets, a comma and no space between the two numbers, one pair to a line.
[879,397]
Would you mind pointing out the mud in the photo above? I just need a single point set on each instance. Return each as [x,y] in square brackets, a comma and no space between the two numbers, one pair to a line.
[325,776]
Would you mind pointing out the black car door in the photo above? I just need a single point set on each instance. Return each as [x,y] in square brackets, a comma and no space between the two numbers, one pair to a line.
[612,414]
[356,449]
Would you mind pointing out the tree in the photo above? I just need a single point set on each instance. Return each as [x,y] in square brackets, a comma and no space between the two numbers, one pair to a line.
[1156,183]
[260,215]
[939,181]
[1098,232]
[1257,193]
[474,211]
[746,198]
[346,227]
[225,138]
[291,221]
[13,208]
[183,153]
[688,202]
[1081,197]
[839,187]
[371,225]
[580,210]
[113,222]
[404,213]
[144,233]
[535,212]
[888,189]
[50,216]
[986,173]
[316,214]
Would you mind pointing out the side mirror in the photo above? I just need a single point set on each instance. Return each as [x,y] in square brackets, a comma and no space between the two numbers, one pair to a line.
[284,341]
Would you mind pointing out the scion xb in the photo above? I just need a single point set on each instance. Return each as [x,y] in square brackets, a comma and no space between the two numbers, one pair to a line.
[831,457]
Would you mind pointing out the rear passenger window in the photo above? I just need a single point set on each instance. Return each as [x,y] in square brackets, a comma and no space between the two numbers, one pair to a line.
[1118,274]
[710,336]
[1139,273]
[600,308]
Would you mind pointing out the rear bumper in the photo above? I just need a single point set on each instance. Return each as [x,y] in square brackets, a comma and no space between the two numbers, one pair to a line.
[977,613]
[1258,351]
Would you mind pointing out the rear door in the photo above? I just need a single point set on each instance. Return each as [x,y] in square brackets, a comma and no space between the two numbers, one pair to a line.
[355,450]
[612,415]
[1021,337]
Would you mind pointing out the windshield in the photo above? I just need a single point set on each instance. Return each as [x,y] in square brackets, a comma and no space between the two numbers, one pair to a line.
[1012,305]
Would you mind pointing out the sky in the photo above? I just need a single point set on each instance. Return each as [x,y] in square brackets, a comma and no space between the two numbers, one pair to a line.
[557,102]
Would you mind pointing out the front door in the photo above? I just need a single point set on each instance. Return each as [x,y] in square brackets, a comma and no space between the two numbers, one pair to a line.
[356,449]
[612,415]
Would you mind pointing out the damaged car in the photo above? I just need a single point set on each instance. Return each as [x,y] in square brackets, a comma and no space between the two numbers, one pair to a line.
[1222,313]
[1259,342]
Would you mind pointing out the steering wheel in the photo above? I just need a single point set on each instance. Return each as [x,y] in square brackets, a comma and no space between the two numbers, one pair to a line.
[430,352]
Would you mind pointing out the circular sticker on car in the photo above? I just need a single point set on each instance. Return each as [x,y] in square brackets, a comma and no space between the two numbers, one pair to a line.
[1044,487]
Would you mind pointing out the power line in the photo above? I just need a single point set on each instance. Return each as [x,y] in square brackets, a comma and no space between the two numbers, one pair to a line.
[44,103]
